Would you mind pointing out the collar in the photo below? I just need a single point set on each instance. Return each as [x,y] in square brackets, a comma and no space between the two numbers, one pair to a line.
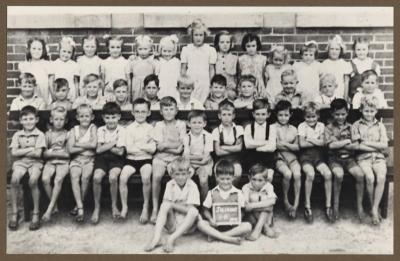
[336,124]
[260,125]
[203,132]
[264,188]
[213,100]
[34,132]
[137,124]
[232,190]
[221,126]
[362,121]
[187,184]
[35,96]
[118,128]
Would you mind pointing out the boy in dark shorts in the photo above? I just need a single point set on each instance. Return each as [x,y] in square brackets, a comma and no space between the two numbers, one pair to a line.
[108,157]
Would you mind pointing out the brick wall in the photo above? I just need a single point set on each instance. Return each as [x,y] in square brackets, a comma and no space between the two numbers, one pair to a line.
[381,48]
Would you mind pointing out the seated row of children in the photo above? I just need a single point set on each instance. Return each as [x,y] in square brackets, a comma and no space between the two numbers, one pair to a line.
[119,152]
[185,89]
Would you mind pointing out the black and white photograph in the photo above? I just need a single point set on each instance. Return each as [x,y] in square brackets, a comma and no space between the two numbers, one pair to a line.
[200,130]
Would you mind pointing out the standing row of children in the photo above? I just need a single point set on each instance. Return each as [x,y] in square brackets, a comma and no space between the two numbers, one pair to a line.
[87,151]
[247,77]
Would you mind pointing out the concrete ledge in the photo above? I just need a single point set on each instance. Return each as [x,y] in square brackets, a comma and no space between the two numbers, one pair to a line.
[158,20]
[87,21]
[346,19]
[279,19]
[126,20]
[59,21]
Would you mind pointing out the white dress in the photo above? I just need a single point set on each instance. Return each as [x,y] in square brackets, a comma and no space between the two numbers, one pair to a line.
[169,71]
[87,66]
[339,68]
[41,70]
[66,70]
[308,77]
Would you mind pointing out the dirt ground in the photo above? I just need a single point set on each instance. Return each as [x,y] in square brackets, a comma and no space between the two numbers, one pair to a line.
[347,236]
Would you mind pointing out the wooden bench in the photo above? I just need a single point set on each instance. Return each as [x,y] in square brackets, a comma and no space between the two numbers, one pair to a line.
[243,117]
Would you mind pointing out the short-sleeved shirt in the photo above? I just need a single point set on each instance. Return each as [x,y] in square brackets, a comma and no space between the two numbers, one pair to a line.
[227,134]
[104,135]
[335,132]
[67,70]
[20,102]
[198,145]
[34,139]
[377,95]
[227,66]
[323,100]
[224,195]
[240,103]
[339,68]
[364,131]
[67,105]
[174,133]
[260,134]
[251,195]
[136,136]
[198,59]
[193,104]
[85,137]
[211,104]
[96,104]
[304,130]
[294,98]
[189,194]
[308,77]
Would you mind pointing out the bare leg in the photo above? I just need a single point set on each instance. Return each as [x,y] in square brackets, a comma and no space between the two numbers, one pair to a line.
[87,172]
[76,173]
[380,171]
[358,174]
[97,178]
[310,173]
[296,170]
[287,175]
[34,176]
[113,179]
[158,173]
[205,227]
[370,180]
[327,174]
[16,177]
[145,172]
[48,173]
[203,180]
[256,232]
[241,230]
[337,186]
[126,172]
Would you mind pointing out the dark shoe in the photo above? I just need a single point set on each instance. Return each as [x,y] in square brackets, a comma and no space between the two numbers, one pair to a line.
[80,218]
[329,214]
[13,224]
[308,215]
[35,225]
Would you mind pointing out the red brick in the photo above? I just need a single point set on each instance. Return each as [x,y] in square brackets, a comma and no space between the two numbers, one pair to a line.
[10,49]
[278,30]
[383,55]
[12,74]
[54,40]
[388,63]
[391,105]
[369,37]
[265,47]
[389,46]
[14,40]
[20,49]
[386,87]
[294,38]
[376,46]
[388,79]
[387,71]
[72,32]
[16,66]
[289,47]
[272,39]
[317,38]
[265,30]
[13,91]
[53,48]
[384,38]
[121,31]
[10,66]
[10,83]
[389,95]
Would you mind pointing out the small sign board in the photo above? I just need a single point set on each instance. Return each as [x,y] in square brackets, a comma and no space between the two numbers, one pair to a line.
[227,213]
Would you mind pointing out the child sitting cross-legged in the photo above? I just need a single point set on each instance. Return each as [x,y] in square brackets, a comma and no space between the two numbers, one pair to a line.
[224,192]
[260,198]
[178,212]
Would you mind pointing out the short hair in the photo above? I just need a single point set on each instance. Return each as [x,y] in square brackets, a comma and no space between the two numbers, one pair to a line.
[219,79]
[185,80]
[226,105]
[119,83]
[280,49]
[91,37]
[84,106]
[27,110]
[247,78]
[91,77]
[288,72]
[261,103]
[168,101]
[218,36]
[59,83]
[198,24]
[366,74]
[180,163]
[224,167]
[360,40]
[151,78]
[258,169]
[327,77]
[59,109]
[197,113]
[111,108]
[109,38]
[44,56]
[369,102]
[311,107]
[283,105]
[308,46]
[28,77]
[140,101]
[338,104]
[249,37]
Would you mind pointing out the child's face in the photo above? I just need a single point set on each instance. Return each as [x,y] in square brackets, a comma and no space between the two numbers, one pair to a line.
[36,50]
[151,90]
[278,59]
[167,51]
[370,84]
[197,125]
[258,181]
[85,117]
[27,89]
[180,176]
[340,116]
[226,116]
[141,112]
[251,48]
[66,52]
[92,89]
[169,112]
[289,83]
[224,181]
[143,50]
[261,115]
[198,37]
[115,48]
[121,93]
[369,113]
[58,120]
[328,88]
[283,116]
[185,91]
[29,121]
[361,50]
[311,118]
[308,56]
[224,43]
[89,47]
[334,51]
[247,89]
[218,90]
[62,93]
[111,120]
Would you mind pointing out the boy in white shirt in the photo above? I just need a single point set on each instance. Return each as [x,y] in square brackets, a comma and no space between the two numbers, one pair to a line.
[185,100]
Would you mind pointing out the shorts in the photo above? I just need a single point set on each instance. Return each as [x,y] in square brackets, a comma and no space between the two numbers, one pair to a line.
[287,157]
[137,164]
[253,157]
[82,161]
[225,228]
[208,168]
[371,158]
[27,163]
[107,161]
[313,156]
[346,163]
[179,218]
[53,164]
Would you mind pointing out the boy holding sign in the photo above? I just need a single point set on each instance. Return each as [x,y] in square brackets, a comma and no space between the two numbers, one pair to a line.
[226,203]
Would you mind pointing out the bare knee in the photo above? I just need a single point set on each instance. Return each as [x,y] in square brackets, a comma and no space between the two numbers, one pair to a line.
[309,171]
[33,181]
[380,177]
[193,212]
[338,173]
[98,177]
[46,179]
[287,174]
[113,178]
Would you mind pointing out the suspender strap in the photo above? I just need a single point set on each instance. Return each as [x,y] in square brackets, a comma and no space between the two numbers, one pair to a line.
[266,130]
[221,136]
